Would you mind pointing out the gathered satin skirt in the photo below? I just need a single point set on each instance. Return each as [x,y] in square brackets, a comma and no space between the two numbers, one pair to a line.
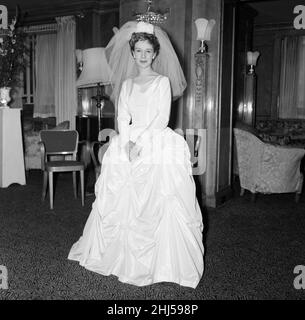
[145,225]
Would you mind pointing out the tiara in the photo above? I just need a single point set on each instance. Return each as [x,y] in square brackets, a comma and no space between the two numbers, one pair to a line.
[145,27]
[151,16]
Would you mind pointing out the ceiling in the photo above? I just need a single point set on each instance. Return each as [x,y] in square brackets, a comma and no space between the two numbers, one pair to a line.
[36,11]
[274,11]
[26,4]
[269,11]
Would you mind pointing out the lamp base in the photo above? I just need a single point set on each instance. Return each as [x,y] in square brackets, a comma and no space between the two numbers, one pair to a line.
[100,102]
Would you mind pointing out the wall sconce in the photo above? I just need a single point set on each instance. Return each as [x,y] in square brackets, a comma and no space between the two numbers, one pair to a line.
[252,59]
[204,29]
[249,110]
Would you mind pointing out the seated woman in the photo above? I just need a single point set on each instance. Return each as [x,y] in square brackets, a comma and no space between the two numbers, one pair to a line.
[145,225]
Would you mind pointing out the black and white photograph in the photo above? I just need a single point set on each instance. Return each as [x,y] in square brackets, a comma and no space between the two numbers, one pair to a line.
[152,153]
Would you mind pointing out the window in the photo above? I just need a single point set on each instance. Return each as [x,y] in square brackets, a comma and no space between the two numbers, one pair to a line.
[28,76]
[292,79]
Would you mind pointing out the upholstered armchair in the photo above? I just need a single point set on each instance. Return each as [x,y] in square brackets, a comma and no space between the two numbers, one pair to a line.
[267,168]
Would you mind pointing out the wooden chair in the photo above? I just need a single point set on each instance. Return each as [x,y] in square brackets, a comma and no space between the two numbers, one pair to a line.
[97,151]
[62,143]
[99,148]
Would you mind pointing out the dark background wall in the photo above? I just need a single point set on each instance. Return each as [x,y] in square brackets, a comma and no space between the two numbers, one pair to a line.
[267,40]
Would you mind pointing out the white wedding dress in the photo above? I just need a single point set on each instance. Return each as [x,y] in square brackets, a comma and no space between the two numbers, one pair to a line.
[145,225]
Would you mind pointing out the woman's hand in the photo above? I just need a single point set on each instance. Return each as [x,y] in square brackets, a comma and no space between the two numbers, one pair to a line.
[132,150]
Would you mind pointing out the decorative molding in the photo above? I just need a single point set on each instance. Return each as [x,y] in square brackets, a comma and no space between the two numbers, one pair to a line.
[51,27]
[201,72]
[273,26]
[201,62]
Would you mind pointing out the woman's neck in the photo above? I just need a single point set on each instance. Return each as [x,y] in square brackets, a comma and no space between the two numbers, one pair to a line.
[145,72]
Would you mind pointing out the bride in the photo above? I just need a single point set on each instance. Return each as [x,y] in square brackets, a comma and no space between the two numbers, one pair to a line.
[145,225]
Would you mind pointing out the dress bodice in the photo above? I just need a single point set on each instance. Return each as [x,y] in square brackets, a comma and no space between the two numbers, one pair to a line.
[143,101]
[146,105]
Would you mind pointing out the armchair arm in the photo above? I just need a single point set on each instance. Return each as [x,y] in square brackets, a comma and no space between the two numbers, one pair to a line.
[42,154]
[280,169]
[282,153]
[93,157]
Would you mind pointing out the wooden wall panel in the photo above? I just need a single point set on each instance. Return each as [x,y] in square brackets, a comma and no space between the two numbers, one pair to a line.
[95,29]
[264,71]
[225,136]
[209,10]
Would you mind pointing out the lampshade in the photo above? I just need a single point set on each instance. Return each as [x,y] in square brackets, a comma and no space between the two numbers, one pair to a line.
[204,28]
[252,57]
[95,68]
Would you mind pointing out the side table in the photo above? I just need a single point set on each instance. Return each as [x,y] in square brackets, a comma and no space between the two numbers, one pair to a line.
[11,148]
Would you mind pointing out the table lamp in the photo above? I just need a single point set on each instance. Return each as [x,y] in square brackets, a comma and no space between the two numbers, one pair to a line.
[95,72]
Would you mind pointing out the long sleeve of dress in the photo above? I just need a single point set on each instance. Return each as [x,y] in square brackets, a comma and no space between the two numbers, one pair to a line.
[124,117]
[162,118]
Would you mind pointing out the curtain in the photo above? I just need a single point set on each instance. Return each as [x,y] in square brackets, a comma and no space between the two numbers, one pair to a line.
[300,97]
[45,76]
[65,71]
[292,79]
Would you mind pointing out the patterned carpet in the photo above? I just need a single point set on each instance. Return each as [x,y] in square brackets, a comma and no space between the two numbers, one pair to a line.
[251,249]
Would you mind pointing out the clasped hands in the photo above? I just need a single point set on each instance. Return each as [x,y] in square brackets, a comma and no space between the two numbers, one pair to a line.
[132,150]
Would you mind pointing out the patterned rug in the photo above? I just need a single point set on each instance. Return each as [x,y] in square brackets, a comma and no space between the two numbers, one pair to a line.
[251,249]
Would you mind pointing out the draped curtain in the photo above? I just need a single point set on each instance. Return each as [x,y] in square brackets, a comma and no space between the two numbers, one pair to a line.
[65,71]
[45,76]
[292,80]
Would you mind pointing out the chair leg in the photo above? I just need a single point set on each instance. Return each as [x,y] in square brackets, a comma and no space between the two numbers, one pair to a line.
[51,189]
[82,180]
[242,192]
[74,184]
[44,185]
[253,197]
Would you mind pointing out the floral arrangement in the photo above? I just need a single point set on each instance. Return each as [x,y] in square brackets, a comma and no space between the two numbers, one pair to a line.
[13,51]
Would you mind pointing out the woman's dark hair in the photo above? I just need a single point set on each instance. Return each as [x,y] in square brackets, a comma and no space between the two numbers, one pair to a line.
[142,36]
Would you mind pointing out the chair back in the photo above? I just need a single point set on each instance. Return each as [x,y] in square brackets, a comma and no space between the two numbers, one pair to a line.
[249,151]
[59,142]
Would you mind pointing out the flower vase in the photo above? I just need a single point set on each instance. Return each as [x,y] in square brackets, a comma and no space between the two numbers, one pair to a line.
[5,97]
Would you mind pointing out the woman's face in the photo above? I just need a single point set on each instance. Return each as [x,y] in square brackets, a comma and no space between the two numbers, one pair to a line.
[143,54]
